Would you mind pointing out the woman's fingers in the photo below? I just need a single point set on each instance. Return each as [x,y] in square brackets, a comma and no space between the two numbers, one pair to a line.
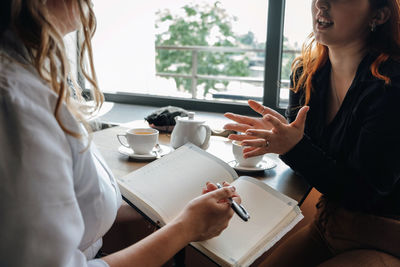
[275,122]
[260,142]
[235,196]
[211,186]
[222,194]
[240,137]
[257,107]
[301,117]
[278,138]
[258,133]
[241,118]
[238,127]
[248,149]
[255,152]
[255,147]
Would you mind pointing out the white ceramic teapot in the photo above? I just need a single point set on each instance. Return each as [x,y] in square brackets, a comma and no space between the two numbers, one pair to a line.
[187,129]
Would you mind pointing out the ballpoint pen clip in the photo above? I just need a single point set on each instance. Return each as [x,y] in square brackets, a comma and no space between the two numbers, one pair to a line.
[238,208]
[240,211]
[245,211]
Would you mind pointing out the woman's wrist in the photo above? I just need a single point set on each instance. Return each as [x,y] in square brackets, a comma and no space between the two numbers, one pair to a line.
[155,249]
[182,229]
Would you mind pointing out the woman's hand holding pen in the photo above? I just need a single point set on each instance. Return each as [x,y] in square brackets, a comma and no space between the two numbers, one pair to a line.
[207,215]
[268,134]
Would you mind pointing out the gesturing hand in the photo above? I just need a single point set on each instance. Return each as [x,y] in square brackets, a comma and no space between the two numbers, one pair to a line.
[245,122]
[269,134]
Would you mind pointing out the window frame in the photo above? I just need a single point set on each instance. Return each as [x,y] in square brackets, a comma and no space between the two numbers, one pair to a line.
[272,71]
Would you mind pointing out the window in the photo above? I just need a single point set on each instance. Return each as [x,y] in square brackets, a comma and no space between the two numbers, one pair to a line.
[297,27]
[70,44]
[197,54]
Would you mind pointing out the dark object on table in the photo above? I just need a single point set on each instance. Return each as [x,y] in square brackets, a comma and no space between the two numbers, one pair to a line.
[163,119]
[223,133]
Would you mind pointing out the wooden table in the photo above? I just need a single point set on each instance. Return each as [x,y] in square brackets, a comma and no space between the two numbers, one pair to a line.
[282,178]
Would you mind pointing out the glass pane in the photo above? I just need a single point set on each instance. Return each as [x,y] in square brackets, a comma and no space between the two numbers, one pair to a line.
[297,27]
[71,49]
[199,49]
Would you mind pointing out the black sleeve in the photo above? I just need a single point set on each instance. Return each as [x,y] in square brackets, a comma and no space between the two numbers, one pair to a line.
[372,170]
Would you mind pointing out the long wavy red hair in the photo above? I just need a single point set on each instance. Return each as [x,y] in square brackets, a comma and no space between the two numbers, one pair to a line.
[384,41]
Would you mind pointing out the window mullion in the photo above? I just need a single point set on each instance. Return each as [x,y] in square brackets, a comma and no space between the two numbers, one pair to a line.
[273,53]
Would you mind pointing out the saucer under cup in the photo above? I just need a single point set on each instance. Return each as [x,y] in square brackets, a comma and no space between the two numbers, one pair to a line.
[262,166]
[157,152]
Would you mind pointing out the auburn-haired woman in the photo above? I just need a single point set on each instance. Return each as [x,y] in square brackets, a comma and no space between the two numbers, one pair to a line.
[57,197]
[342,135]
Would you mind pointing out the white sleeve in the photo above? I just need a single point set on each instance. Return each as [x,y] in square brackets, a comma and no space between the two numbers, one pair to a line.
[40,220]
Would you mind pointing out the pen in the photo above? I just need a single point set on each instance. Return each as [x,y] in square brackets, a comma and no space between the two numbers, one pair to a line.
[239,209]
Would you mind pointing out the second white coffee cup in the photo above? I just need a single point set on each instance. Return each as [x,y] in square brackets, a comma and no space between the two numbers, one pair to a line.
[141,140]
[237,150]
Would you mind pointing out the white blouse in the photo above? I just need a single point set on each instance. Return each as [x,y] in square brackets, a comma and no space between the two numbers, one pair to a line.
[57,199]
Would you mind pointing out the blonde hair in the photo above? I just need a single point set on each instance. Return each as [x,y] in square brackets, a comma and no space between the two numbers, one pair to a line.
[30,20]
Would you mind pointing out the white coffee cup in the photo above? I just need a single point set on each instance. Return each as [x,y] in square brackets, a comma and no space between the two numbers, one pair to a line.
[237,150]
[141,140]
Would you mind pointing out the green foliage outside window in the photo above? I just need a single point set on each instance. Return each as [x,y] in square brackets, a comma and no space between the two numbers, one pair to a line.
[287,59]
[200,25]
[207,25]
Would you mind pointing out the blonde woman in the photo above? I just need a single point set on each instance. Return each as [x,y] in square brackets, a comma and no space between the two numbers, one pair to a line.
[57,196]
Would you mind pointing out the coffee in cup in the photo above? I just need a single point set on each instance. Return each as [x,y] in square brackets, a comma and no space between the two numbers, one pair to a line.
[237,149]
[141,140]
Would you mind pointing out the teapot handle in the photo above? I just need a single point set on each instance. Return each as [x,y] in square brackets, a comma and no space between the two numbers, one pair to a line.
[206,142]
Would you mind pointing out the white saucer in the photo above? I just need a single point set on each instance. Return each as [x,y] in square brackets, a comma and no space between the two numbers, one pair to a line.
[163,150]
[262,166]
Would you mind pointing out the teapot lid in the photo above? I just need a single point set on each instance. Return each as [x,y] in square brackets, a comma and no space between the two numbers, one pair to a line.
[189,119]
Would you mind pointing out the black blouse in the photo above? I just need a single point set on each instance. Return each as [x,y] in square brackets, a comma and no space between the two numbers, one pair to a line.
[355,159]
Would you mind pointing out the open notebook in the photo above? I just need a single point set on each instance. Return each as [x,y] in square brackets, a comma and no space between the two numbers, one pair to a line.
[163,187]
